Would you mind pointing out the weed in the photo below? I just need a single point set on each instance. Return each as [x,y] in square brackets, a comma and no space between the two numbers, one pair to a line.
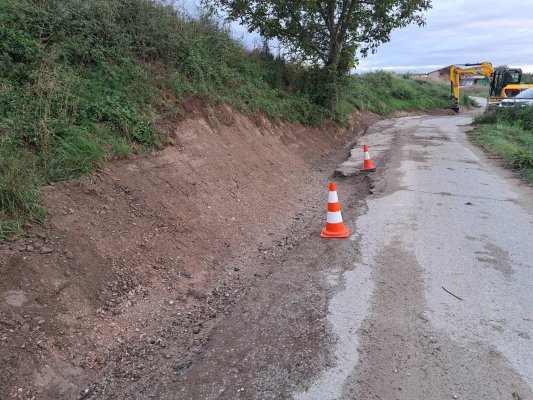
[385,93]
[508,132]
[20,198]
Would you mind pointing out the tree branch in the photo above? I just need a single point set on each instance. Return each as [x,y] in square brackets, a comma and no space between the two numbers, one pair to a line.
[324,16]
[304,34]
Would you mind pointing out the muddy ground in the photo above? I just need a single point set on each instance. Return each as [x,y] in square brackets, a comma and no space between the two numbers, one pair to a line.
[145,259]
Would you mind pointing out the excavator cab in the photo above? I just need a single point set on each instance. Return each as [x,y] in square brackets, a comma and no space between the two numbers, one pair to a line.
[503,77]
[506,83]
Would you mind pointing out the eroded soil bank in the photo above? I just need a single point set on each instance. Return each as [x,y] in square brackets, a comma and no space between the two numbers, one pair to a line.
[143,258]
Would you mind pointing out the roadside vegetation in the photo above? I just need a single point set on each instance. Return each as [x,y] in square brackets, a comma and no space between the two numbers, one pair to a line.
[527,78]
[85,81]
[480,90]
[508,133]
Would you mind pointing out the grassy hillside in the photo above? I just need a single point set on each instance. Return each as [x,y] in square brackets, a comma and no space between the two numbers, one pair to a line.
[84,81]
[509,134]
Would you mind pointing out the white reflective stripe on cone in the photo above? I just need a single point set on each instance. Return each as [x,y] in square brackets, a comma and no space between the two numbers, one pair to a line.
[367,156]
[334,217]
[333,198]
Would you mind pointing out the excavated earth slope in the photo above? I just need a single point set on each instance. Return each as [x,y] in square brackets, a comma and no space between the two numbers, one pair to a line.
[143,258]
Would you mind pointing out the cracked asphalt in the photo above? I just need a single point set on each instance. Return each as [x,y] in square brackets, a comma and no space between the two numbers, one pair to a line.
[444,276]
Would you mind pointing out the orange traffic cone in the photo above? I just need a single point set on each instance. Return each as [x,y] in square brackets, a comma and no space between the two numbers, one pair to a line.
[368,164]
[334,227]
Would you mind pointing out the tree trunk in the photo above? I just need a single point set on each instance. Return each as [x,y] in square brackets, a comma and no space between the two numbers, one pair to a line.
[335,49]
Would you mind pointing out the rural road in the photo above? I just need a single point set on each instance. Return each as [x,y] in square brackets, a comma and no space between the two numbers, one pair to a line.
[443,219]
[430,297]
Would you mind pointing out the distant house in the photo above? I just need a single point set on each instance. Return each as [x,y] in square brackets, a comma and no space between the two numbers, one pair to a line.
[440,75]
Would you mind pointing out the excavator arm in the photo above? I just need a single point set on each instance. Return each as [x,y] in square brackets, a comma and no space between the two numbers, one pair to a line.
[484,68]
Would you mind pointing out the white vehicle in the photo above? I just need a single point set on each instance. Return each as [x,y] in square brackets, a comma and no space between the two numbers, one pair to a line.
[524,98]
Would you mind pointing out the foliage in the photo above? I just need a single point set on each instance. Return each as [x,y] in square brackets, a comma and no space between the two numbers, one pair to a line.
[518,116]
[329,31]
[527,78]
[385,93]
[508,132]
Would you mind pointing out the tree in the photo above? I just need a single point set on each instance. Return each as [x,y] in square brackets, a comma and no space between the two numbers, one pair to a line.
[527,78]
[329,32]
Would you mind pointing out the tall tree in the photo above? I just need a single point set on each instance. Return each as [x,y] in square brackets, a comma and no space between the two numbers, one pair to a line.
[326,31]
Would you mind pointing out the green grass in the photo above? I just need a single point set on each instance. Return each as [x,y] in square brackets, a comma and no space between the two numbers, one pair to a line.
[509,134]
[20,198]
[85,81]
[385,93]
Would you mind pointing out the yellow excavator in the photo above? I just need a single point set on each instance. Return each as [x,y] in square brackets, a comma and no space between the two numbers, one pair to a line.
[506,83]
[503,82]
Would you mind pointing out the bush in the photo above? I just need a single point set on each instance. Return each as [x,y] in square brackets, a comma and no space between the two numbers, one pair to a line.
[523,159]
[508,132]
[385,93]
[519,116]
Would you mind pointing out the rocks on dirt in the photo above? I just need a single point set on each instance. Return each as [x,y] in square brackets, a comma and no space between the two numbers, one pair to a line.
[46,250]
[142,231]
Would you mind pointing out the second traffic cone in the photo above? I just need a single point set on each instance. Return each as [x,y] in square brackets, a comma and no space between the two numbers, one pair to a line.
[368,164]
[334,226]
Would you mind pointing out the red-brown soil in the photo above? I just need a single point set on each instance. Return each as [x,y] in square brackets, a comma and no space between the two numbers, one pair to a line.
[154,250]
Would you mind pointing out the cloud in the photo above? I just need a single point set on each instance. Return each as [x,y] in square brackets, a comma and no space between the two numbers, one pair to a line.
[460,31]
[402,68]
[508,23]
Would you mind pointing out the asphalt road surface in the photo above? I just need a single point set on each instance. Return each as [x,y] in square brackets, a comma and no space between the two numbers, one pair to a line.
[430,298]
[445,275]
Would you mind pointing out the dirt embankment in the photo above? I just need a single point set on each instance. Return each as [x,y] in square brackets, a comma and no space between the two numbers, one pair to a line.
[142,258]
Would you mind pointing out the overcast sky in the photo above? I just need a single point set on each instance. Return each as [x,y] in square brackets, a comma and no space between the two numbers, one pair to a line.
[457,32]
[460,31]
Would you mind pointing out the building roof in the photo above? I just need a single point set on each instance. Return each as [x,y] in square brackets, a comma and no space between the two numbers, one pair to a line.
[443,70]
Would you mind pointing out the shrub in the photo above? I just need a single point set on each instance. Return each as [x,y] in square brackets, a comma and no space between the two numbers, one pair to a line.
[520,116]
[508,132]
